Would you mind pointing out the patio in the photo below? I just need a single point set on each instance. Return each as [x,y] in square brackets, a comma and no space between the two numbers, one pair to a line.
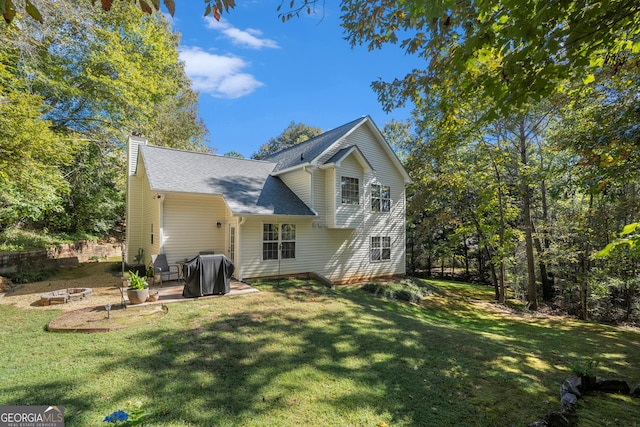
[172,292]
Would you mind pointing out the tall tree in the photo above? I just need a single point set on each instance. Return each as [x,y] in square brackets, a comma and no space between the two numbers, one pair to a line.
[294,134]
[104,75]
[31,155]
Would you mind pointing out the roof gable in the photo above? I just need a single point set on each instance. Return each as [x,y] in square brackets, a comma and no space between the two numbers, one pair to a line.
[308,151]
[312,151]
[246,185]
[342,154]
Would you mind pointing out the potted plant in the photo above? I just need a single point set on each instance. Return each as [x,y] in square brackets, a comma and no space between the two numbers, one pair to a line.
[138,290]
[585,370]
[150,275]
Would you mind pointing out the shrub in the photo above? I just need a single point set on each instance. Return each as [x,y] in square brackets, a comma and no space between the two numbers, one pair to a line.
[31,276]
[405,290]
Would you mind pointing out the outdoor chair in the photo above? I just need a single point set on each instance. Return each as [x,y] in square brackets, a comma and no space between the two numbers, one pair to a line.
[162,267]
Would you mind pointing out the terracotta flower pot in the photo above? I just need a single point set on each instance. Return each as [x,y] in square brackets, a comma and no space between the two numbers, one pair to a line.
[137,296]
[153,296]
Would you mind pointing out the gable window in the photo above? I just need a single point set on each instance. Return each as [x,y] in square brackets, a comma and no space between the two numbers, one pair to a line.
[278,241]
[350,190]
[380,248]
[380,198]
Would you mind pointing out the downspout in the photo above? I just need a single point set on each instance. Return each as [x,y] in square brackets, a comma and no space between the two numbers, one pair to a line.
[239,244]
[160,199]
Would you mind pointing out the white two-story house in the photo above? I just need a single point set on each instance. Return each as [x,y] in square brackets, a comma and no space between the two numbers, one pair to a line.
[333,205]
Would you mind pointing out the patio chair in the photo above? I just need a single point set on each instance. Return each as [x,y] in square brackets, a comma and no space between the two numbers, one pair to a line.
[162,267]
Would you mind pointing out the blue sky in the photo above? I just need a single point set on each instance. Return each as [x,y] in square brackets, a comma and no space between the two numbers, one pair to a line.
[256,74]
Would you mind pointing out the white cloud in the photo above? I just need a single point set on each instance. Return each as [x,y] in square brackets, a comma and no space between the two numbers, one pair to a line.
[251,37]
[220,76]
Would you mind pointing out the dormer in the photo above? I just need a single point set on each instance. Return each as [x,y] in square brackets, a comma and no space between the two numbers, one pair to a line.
[345,174]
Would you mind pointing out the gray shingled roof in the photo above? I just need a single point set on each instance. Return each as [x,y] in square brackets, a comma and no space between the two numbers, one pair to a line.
[344,152]
[246,185]
[307,151]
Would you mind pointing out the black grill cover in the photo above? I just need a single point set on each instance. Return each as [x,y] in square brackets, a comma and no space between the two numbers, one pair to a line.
[207,275]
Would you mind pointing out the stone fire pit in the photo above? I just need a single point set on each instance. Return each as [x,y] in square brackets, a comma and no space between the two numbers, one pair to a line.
[63,296]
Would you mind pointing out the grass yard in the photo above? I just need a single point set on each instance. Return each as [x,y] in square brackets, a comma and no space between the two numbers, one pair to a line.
[299,354]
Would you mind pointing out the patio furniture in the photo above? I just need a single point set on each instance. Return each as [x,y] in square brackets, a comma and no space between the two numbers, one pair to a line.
[162,267]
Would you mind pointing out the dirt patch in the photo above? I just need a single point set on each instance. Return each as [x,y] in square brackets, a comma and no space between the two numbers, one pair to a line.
[100,276]
[98,319]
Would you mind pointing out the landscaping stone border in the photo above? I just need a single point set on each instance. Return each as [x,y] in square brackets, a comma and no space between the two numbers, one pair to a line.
[574,388]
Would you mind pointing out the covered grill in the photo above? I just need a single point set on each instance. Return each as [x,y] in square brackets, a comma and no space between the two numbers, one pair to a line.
[207,275]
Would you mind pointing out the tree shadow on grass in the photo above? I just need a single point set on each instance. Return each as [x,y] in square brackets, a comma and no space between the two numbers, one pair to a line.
[403,364]
[54,393]
[308,355]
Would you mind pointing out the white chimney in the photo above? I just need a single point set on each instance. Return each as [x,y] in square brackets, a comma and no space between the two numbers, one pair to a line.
[132,151]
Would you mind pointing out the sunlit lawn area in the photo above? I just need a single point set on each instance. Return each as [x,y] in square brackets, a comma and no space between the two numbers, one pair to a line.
[301,354]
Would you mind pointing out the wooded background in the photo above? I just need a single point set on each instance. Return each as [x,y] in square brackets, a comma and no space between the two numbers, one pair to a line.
[524,144]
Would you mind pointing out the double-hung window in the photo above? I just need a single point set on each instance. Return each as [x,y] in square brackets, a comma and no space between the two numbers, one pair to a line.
[380,248]
[288,239]
[380,198]
[350,190]
[278,241]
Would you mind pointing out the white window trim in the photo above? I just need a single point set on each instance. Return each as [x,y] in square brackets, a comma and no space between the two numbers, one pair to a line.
[279,241]
[380,198]
[357,182]
[381,248]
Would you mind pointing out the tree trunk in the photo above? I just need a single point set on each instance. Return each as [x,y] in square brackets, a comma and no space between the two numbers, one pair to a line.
[412,247]
[465,248]
[453,267]
[481,272]
[547,284]
[532,296]
[494,276]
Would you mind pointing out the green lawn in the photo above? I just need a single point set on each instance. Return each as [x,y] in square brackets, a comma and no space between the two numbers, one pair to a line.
[306,355]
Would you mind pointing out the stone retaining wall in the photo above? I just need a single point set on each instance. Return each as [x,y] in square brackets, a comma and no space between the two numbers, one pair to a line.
[66,254]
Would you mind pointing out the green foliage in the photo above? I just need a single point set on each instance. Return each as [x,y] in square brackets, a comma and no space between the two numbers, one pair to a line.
[15,239]
[507,52]
[585,368]
[137,282]
[8,9]
[31,182]
[234,153]
[84,81]
[406,290]
[629,236]
[294,134]
[31,275]
[135,416]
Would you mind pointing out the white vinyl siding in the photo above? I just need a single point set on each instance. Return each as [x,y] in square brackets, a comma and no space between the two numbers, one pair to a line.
[299,182]
[328,177]
[335,244]
[190,226]
[349,215]
[142,212]
[340,254]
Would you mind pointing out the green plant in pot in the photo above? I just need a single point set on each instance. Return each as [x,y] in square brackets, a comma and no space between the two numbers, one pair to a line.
[585,370]
[138,290]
